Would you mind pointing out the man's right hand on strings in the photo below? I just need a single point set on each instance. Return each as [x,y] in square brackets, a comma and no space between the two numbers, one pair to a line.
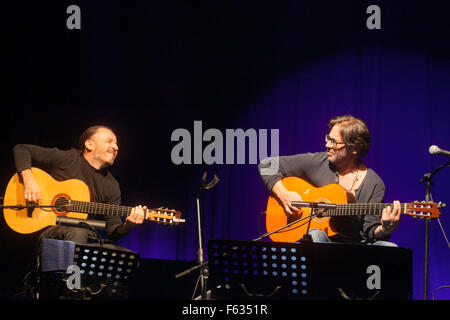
[31,189]
[286,197]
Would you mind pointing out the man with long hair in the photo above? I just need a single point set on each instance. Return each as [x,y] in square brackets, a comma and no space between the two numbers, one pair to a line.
[346,143]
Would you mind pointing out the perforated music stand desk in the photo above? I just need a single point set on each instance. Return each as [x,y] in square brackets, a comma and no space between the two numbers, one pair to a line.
[100,266]
[277,270]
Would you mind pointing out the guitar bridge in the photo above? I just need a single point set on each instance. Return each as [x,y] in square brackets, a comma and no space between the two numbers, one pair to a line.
[30,209]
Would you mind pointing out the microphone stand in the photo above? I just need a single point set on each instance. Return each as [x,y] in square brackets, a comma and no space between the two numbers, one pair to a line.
[201,264]
[314,206]
[428,197]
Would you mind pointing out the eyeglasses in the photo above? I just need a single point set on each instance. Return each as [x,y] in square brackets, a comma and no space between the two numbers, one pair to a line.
[333,142]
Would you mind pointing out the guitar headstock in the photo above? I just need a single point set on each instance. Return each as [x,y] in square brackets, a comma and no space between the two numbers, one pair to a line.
[164,216]
[423,209]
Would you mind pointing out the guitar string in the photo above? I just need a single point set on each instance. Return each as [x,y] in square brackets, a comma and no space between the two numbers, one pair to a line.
[354,209]
[93,208]
[353,204]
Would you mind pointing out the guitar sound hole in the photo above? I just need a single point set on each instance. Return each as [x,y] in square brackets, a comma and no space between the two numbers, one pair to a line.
[61,204]
[294,217]
[319,213]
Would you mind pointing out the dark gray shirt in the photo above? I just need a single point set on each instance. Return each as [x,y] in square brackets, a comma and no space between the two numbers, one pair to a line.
[316,169]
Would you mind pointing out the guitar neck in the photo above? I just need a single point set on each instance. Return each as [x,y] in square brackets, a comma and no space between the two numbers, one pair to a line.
[360,209]
[100,208]
[159,215]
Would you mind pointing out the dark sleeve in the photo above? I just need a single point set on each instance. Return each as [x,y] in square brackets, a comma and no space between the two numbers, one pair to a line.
[28,155]
[371,222]
[121,230]
[115,229]
[275,168]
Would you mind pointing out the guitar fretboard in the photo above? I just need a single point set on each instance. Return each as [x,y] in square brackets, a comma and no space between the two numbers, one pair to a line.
[98,208]
[360,209]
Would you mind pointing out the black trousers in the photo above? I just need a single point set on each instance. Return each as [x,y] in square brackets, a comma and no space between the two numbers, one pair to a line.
[50,282]
[76,234]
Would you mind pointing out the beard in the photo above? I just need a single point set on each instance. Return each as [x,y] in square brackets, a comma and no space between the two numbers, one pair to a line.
[105,159]
[337,157]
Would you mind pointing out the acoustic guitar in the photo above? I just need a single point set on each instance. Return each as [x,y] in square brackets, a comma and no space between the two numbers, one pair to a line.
[70,198]
[276,217]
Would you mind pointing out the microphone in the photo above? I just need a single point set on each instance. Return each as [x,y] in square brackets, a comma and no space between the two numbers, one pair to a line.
[72,222]
[436,150]
[315,205]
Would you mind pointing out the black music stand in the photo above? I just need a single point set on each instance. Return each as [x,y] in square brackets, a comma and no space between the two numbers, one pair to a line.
[249,270]
[259,270]
[105,272]
[201,264]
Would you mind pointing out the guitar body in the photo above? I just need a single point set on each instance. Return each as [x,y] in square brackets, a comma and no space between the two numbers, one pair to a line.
[26,221]
[277,218]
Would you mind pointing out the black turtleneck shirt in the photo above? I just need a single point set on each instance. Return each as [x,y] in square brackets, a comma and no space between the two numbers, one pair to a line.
[70,164]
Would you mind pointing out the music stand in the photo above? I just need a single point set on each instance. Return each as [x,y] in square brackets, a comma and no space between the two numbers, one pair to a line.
[256,270]
[249,270]
[105,272]
[201,264]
